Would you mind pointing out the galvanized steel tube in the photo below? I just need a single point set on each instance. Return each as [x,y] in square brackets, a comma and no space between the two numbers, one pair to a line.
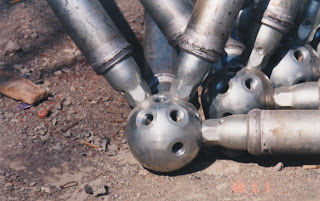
[102,44]
[203,43]
[271,132]
[170,16]
[277,20]
[159,57]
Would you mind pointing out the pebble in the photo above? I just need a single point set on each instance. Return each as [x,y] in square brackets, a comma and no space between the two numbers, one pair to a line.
[45,137]
[8,185]
[11,47]
[33,184]
[67,103]
[88,189]
[104,144]
[42,113]
[57,147]
[17,66]
[45,189]
[58,72]
[278,167]
[67,134]
[72,89]
[34,35]
[112,150]
[58,106]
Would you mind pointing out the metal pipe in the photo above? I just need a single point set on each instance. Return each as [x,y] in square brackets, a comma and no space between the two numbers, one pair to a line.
[102,44]
[277,21]
[267,132]
[202,43]
[310,21]
[159,57]
[170,16]
[300,96]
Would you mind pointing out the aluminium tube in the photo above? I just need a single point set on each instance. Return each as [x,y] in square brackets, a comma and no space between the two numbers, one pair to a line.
[203,43]
[267,132]
[300,96]
[171,16]
[159,57]
[102,44]
[277,21]
[310,22]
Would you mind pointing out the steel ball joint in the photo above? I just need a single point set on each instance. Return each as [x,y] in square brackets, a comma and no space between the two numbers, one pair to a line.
[164,134]
[248,89]
[297,66]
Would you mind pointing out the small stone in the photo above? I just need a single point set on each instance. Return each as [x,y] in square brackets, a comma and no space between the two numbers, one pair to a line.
[93,102]
[45,137]
[14,120]
[67,70]
[69,51]
[143,173]
[67,103]
[101,190]
[72,89]
[11,47]
[67,134]
[278,167]
[57,147]
[58,72]
[17,66]
[34,35]
[104,144]
[42,113]
[8,185]
[88,189]
[58,106]
[113,148]
[54,122]
[45,189]
[33,184]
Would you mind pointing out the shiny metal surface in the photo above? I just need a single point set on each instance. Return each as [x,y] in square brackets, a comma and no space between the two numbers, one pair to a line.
[271,132]
[280,14]
[300,96]
[93,31]
[170,16]
[310,21]
[204,35]
[125,77]
[164,134]
[159,56]
[229,132]
[298,65]
[203,43]
[99,40]
[283,132]
[277,20]
[265,44]
[191,71]
[249,89]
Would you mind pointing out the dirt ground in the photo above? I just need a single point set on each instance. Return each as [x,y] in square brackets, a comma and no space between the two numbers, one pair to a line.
[39,157]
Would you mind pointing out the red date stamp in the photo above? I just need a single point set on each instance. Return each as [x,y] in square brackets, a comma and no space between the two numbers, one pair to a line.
[240,187]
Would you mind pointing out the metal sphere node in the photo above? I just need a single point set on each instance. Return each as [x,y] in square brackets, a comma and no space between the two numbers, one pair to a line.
[249,89]
[164,134]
